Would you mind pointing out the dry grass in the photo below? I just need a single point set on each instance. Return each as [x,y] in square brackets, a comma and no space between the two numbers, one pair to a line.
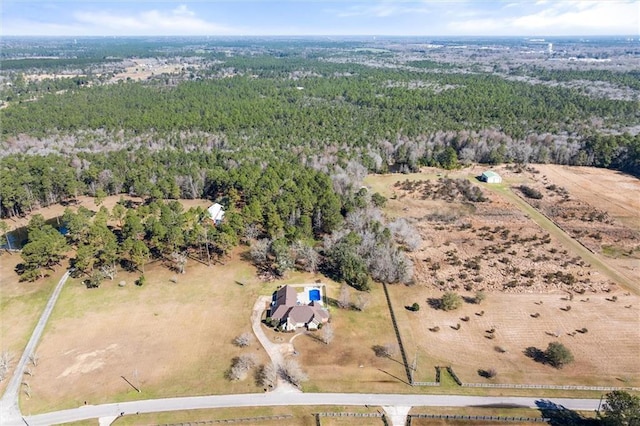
[302,416]
[21,304]
[167,338]
[606,355]
[348,363]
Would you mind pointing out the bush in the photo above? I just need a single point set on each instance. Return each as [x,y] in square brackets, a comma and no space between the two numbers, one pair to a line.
[415,307]
[245,339]
[558,355]
[450,301]
[530,192]
[141,281]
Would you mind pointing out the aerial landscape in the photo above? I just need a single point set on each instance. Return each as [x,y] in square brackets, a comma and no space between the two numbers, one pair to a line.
[319,212]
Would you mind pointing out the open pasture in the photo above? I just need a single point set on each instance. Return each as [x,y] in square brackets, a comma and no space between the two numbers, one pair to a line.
[606,354]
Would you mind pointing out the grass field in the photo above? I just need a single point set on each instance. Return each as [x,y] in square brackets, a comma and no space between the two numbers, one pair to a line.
[606,355]
[21,304]
[166,338]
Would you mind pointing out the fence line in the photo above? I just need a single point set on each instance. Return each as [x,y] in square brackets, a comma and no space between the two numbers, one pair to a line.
[228,421]
[347,414]
[485,418]
[397,330]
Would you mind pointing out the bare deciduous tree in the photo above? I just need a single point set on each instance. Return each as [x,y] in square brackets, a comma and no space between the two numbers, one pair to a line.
[245,339]
[362,301]
[266,376]
[109,271]
[259,251]
[327,334]
[240,366]
[291,372]
[179,261]
[34,359]
[5,363]
[344,300]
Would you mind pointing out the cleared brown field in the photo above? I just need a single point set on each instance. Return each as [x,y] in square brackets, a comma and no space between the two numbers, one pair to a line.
[166,338]
[20,306]
[606,355]
[349,363]
[495,246]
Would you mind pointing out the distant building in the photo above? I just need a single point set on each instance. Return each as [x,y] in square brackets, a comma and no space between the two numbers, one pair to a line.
[490,177]
[216,213]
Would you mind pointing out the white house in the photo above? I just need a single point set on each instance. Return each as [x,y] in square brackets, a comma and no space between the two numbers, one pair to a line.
[491,177]
[216,213]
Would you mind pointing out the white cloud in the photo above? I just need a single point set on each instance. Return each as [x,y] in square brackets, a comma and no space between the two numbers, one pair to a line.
[383,9]
[179,21]
[560,18]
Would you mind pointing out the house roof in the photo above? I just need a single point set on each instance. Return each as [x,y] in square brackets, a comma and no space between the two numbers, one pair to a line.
[286,295]
[490,173]
[286,307]
[305,314]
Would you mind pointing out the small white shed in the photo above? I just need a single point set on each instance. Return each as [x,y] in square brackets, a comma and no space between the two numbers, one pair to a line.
[216,213]
[491,177]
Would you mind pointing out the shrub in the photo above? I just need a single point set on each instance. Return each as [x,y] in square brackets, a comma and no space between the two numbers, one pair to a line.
[530,192]
[558,355]
[245,339]
[415,307]
[450,301]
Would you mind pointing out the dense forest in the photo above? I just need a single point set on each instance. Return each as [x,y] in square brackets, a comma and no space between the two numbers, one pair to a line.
[281,132]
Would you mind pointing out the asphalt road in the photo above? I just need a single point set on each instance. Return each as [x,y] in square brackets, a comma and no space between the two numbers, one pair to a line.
[287,399]
[9,409]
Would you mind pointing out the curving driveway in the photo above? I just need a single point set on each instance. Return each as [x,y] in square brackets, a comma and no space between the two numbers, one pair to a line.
[276,351]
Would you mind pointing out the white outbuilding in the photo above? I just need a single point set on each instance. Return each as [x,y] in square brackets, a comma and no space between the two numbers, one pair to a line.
[491,177]
[216,213]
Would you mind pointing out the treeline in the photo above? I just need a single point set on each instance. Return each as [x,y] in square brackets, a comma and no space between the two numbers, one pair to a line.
[290,215]
[53,64]
[352,106]
[203,170]
[629,78]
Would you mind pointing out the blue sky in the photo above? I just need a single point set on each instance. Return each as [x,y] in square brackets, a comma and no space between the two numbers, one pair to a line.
[320,17]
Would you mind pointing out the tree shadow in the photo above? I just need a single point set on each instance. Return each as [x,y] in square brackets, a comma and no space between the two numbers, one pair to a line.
[558,415]
[536,354]
[434,303]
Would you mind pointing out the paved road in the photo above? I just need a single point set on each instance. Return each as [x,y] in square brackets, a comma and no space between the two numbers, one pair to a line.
[281,399]
[9,409]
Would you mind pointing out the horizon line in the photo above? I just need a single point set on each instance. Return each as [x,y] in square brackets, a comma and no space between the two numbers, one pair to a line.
[632,36]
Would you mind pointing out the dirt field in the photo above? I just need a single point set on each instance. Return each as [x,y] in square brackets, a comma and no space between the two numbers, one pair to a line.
[600,208]
[606,355]
[494,246]
[609,190]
